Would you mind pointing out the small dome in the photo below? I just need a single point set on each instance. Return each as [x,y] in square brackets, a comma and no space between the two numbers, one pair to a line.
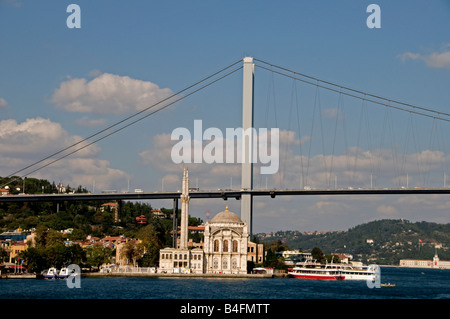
[226,217]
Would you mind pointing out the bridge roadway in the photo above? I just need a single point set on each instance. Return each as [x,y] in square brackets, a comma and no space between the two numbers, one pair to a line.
[224,194]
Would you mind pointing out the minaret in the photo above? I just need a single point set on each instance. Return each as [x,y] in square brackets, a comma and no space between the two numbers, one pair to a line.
[184,210]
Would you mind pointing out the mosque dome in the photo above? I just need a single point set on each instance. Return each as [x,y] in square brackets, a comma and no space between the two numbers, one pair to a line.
[226,217]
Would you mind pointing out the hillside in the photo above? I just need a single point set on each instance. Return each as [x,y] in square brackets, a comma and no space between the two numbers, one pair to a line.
[84,217]
[383,241]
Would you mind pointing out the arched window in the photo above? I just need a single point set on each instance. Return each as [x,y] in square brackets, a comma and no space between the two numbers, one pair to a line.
[225,246]
[216,245]
[235,246]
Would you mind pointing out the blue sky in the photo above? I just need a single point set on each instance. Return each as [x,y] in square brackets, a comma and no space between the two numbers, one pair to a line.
[58,85]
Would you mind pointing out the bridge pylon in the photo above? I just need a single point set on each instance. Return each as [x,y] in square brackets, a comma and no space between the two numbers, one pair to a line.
[247,140]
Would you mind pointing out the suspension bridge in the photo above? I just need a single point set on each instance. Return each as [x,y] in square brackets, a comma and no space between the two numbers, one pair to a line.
[305,167]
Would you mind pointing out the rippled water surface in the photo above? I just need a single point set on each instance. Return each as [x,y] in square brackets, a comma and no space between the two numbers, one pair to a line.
[410,284]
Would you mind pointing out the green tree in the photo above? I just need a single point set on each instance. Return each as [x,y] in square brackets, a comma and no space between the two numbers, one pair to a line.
[34,258]
[98,255]
[317,254]
[133,251]
[151,243]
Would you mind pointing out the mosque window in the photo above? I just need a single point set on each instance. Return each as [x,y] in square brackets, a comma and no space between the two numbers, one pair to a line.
[216,245]
[225,246]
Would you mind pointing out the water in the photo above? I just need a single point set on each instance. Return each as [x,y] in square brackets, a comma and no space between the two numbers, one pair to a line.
[410,284]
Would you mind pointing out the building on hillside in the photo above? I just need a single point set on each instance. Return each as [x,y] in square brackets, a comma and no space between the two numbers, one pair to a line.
[158,213]
[343,258]
[293,257]
[255,252]
[191,244]
[15,235]
[113,208]
[15,249]
[141,220]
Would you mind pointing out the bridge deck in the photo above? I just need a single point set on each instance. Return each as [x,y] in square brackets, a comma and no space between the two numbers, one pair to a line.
[224,194]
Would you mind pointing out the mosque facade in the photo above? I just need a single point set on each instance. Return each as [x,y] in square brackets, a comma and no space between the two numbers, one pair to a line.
[225,244]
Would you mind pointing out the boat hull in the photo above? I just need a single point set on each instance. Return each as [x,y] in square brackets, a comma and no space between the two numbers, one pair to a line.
[359,277]
[317,276]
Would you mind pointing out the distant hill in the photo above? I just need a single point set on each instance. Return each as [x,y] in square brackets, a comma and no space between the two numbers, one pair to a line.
[383,242]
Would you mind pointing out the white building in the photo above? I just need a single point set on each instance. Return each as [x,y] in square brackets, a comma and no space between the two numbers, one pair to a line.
[226,242]
[419,263]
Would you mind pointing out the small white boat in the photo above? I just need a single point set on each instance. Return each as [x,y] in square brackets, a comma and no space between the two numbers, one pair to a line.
[52,273]
[64,273]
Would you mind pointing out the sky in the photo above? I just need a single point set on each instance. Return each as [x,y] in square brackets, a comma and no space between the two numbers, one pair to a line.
[60,84]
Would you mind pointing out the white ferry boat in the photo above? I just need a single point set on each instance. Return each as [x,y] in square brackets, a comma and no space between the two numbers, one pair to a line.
[358,272]
[52,273]
[317,271]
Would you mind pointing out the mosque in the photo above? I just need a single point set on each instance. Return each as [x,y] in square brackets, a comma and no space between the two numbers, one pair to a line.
[226,244]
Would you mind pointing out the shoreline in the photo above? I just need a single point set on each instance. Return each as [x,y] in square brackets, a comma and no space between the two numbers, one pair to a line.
[159,275]
[174,275]
[154,275]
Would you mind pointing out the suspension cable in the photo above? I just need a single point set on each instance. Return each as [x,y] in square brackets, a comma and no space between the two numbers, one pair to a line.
[338,89]
[128,118]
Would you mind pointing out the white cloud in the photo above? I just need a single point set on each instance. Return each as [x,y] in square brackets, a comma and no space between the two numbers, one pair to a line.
[3,103]
[353,168]
[440,60]
[37,137]
[25,143]
[107,94]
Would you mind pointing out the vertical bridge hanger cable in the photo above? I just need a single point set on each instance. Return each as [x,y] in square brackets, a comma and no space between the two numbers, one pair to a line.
[419,110]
